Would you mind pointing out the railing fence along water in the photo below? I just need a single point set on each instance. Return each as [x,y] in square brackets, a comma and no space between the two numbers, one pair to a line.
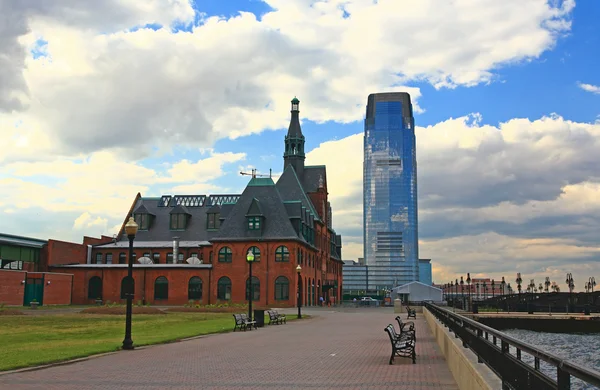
[503,355]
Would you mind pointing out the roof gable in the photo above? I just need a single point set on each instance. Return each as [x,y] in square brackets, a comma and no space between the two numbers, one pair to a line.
[254,209]
[313,174]
[291,189]
[141,209]
[276,223]
[180,209]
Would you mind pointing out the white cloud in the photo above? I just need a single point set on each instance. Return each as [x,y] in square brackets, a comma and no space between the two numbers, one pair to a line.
[232,77]
[590,88]
[524,194]
[86,221]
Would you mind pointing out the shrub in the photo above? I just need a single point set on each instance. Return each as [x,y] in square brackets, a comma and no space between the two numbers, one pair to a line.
[1,305]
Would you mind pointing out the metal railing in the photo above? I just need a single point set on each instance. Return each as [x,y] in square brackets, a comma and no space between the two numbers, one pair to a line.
[503,355]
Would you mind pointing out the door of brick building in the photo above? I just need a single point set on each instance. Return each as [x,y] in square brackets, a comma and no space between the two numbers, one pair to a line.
[34,289]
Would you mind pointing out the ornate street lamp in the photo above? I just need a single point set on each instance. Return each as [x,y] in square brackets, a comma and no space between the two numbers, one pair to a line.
[299,270]
[503,284]
[469,285]
[519,280]
[493,287]
[462,293]
[547,283]
[478,291]
[131,229]
[484,290]
[250,260]
[592,283]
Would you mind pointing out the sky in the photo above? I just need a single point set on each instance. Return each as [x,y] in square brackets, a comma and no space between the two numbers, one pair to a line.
[102,100]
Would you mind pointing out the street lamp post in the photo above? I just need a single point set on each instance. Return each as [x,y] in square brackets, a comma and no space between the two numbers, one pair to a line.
[592,283]
[484,290]
[250,260]
[131,229]
[469,286]
[503,284]
[493,288]
[462,293]
[478,292]
[571,284]
[547,284]
[299,270]
[519,280]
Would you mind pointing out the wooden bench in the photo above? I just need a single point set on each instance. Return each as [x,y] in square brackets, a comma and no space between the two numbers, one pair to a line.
[411,312]
[276,318]
[242,322]
[402,347]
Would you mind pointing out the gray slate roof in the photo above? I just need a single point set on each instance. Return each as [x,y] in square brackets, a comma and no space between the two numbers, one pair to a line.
[290,188]
[160,228]
[312,175]
[276,223]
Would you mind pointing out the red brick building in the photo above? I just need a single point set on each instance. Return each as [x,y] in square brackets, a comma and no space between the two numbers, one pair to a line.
[194,246]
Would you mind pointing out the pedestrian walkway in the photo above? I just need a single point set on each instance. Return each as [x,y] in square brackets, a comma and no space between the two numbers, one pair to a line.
[336,349]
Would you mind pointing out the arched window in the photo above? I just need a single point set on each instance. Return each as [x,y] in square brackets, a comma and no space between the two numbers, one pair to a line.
[161,288]
[255,289]
[225,255]
[98,258]
[282,254]
[224,289]
[95,288]
[195,288]
[109,258]
[123,295]
[282,289]
[122,258]
[256,252]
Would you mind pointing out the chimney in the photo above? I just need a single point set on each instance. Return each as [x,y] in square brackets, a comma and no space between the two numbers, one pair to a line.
[175,250]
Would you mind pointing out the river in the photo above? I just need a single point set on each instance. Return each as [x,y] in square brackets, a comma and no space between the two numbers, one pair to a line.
[583,349]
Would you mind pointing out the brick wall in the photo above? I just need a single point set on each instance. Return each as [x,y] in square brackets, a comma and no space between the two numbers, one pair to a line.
[61,252]
[12,290]
[58,292]
[95,241]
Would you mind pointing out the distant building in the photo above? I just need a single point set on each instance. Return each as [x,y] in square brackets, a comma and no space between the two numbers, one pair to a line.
[359,279]
[390,190]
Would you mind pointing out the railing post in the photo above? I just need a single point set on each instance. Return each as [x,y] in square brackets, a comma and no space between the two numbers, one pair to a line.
[479,335]
[563,378]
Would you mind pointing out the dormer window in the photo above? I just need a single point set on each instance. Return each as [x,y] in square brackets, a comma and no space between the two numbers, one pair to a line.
[212,221]
[178,221]
[254,223]
[143,217]
[179,218]
[254,216]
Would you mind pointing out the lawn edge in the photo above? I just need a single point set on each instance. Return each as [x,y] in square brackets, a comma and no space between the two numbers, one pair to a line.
[101,354]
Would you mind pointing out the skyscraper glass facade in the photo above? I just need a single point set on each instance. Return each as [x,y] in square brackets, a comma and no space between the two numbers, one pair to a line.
[390,188]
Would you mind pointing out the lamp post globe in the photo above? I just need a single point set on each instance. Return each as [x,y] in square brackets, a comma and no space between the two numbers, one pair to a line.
[299,300]
[250,260]
[131,228]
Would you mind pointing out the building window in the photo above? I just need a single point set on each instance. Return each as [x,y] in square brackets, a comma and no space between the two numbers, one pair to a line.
[143,221]
[161,288]
[147,255]
[253,223]
[256,252]
[123,295]
[194,255]
[282,289]
[212,221]
[224,289]
[156,258]
[134,257]
[225,255]
[282,254]
[178,221]
[169,258]
[109,258]
[180,257]
[195,288]
[122,258]
[95,288]
[255,289]
[98,258]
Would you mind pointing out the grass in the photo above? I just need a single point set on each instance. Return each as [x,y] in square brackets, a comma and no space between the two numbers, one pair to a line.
[35,340]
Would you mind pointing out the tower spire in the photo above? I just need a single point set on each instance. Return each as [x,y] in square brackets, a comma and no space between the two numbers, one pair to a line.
[294,141]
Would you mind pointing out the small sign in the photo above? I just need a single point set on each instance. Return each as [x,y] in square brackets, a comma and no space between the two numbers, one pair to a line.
[128,285]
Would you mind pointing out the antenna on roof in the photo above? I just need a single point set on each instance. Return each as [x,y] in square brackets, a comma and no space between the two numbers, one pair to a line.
[114,238]
[254,174]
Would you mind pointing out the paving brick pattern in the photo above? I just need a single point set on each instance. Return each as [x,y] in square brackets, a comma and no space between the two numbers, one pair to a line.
[337,349]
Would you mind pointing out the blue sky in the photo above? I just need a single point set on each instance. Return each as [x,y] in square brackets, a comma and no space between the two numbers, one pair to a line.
[103,100]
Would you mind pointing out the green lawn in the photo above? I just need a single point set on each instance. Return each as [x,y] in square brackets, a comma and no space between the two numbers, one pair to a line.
[34,340]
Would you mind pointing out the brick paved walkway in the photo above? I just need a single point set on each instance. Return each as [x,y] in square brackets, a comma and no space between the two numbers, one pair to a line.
[346,349]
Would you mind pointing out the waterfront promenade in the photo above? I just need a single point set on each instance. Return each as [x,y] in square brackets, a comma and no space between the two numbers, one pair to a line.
[336,349]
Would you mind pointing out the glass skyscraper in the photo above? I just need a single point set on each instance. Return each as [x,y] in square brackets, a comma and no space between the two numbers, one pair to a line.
[390,188]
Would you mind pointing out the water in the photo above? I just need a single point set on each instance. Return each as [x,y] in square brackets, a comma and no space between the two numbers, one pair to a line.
[582,349]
